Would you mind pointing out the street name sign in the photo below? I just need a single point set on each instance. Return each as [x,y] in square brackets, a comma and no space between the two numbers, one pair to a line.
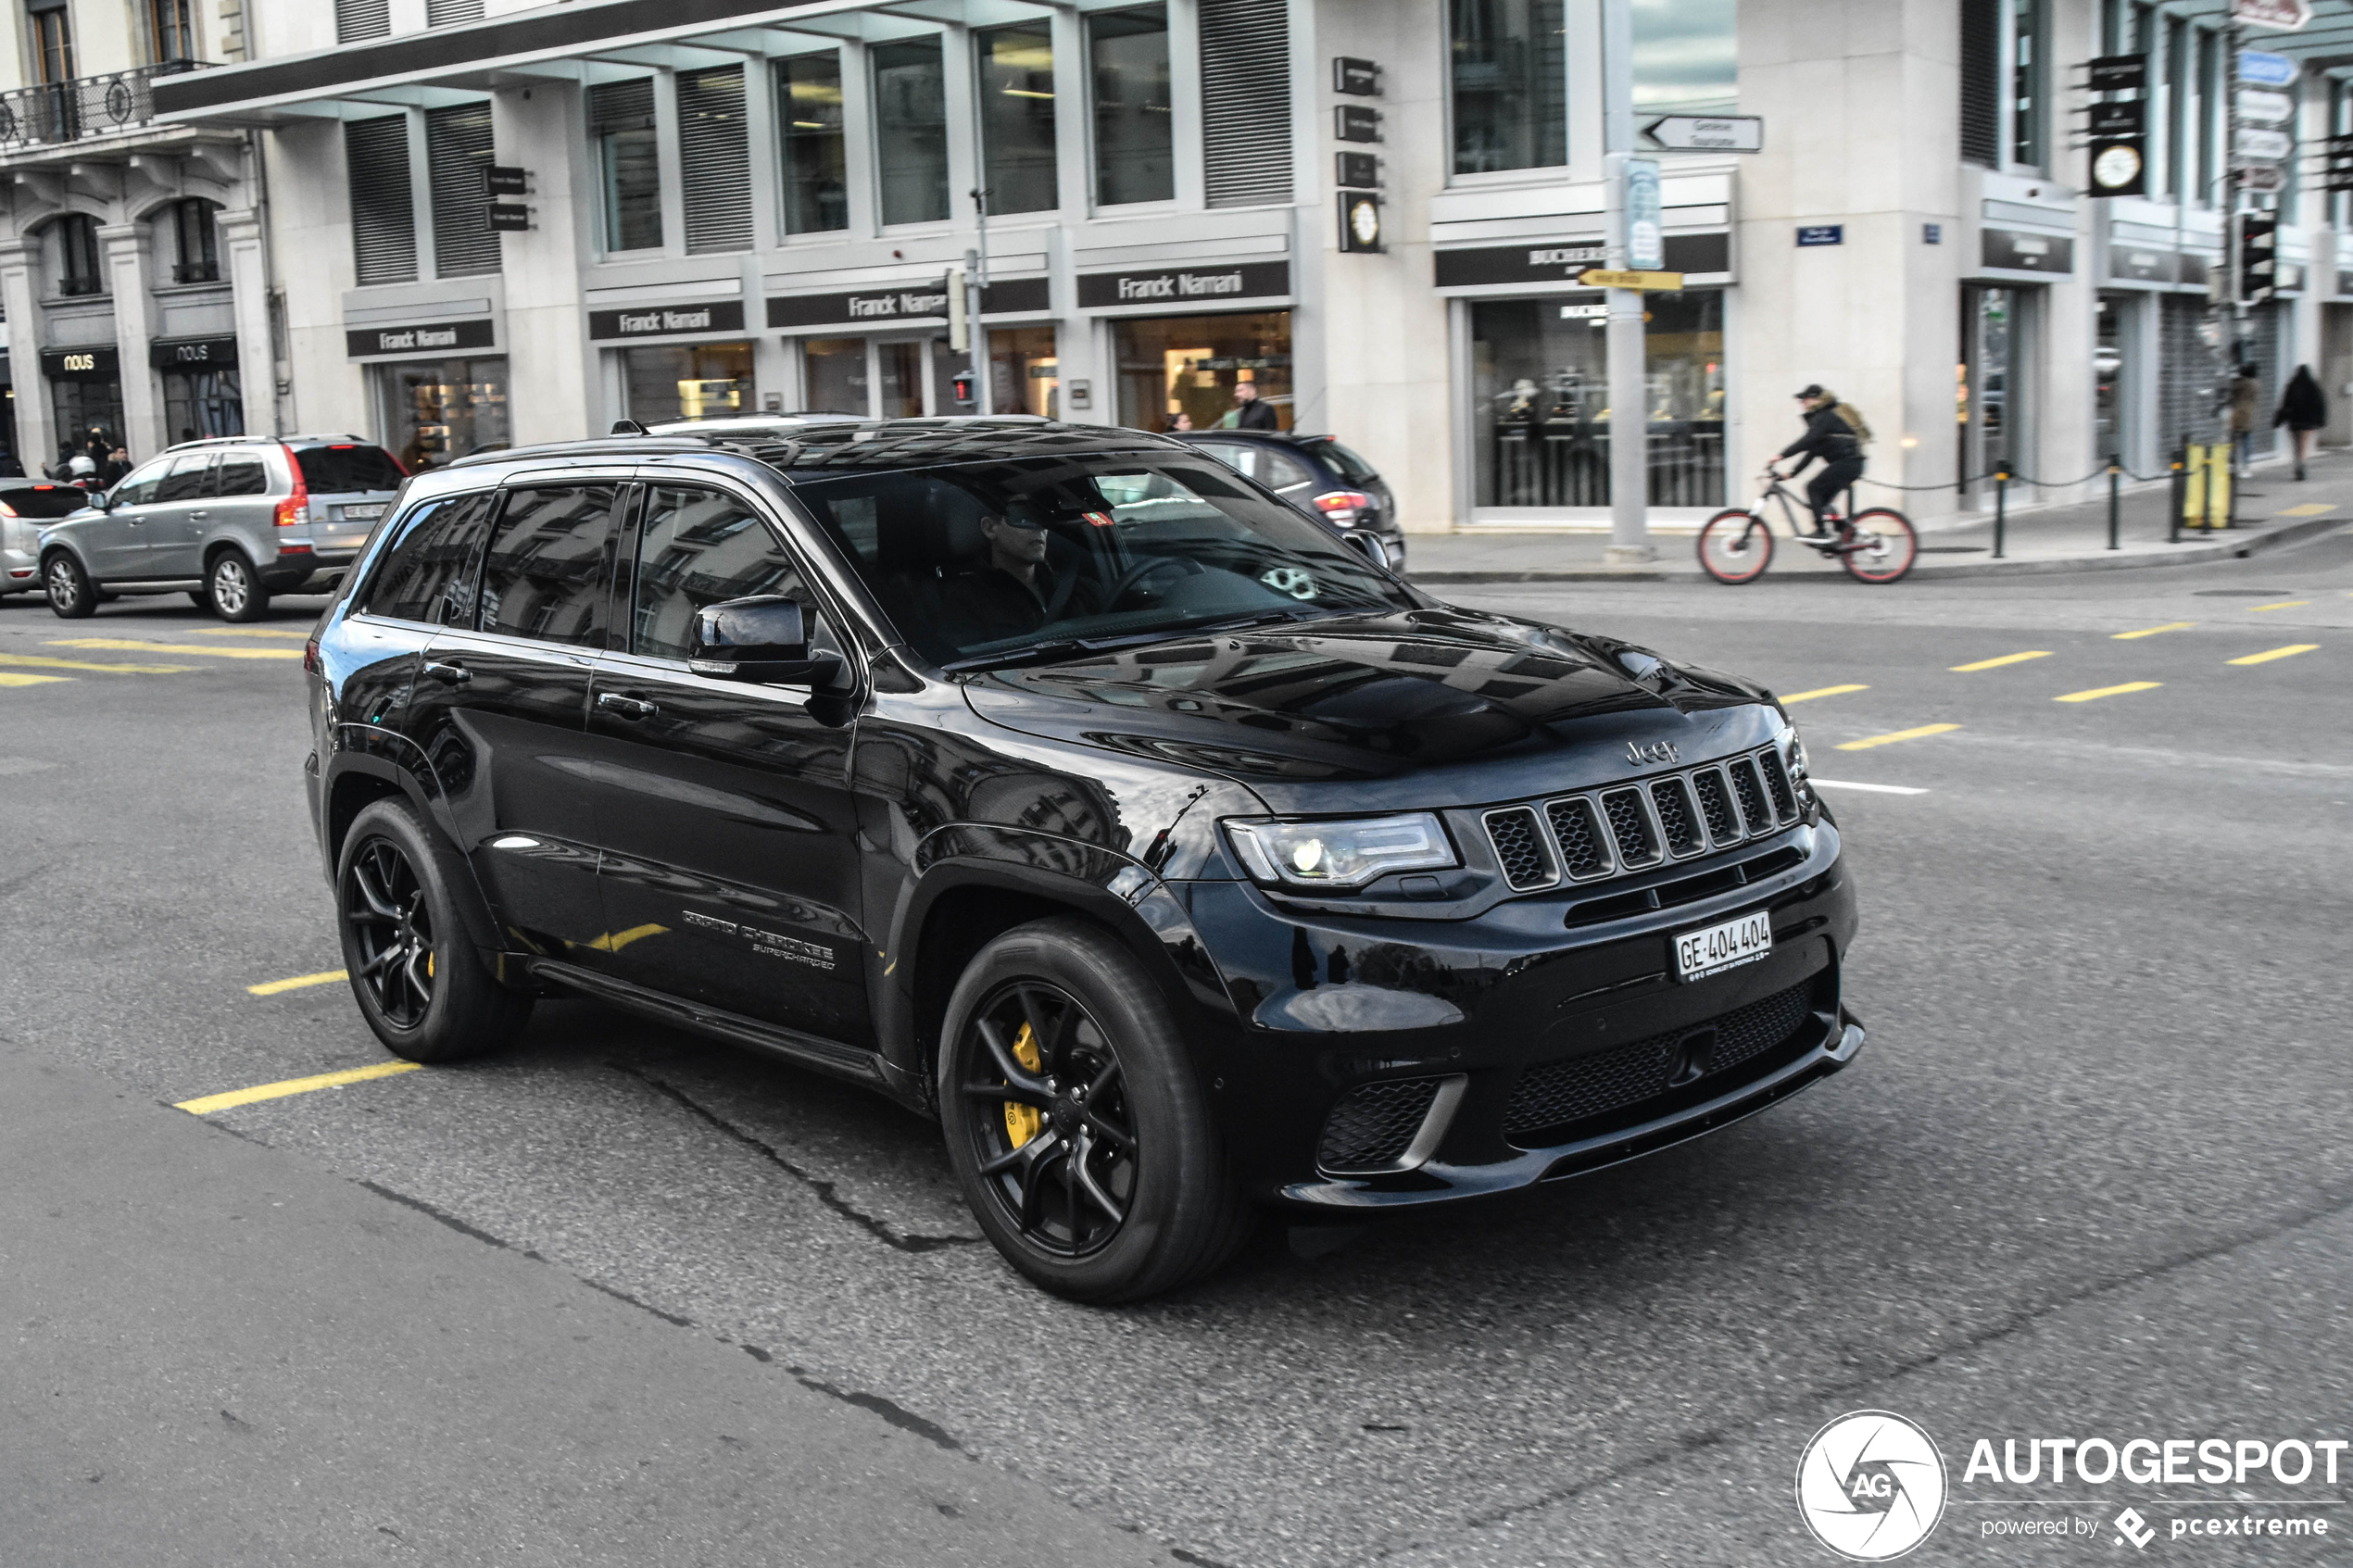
[1708,133]
[2264,69]
[2258,144]
[1610,278]
[2263,106]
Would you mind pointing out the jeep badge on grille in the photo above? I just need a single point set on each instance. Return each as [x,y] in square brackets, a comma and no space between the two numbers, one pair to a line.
[1658,751]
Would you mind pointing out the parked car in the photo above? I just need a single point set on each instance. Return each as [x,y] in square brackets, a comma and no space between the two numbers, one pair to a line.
[1316,474]
[1072,789]
[26,505]
[230,521]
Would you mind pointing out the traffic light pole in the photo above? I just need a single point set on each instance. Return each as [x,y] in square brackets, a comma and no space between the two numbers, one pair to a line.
[1629,540]
[975,288]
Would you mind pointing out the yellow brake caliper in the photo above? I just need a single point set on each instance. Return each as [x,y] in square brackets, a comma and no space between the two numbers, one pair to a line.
[1021,1121]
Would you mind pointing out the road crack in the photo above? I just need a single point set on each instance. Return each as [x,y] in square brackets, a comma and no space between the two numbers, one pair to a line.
[827,1192]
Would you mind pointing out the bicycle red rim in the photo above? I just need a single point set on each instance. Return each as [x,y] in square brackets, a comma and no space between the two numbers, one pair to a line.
[1898,548]
[1735,547]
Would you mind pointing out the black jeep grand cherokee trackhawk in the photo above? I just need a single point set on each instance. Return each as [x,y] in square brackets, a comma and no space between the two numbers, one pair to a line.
[1063,784]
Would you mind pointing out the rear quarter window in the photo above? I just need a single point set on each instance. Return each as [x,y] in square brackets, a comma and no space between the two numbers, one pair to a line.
[339,470]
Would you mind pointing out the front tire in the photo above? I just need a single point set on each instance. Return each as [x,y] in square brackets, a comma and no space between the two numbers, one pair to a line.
[72,595]
[420,981]
[1078,1123]
[233,589]
[1893,547]
[1735,547]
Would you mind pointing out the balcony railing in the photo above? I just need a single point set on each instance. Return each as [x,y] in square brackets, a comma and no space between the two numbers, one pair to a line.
[59,112]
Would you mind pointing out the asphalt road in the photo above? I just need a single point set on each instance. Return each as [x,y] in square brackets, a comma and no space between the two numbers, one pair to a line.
[2087,1177]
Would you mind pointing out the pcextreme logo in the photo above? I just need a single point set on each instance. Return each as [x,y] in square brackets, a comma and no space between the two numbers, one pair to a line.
[1871,1485]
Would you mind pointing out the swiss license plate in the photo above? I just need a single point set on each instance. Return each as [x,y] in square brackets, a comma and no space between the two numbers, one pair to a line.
[364,514]
[1715,948]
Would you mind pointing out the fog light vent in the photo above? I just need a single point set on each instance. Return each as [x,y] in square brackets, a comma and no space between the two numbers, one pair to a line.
[1373,1124]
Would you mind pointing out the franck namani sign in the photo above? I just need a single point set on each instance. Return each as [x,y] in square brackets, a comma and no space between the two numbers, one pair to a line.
[909,302]
[667,320]
[419,338]
[1184,286]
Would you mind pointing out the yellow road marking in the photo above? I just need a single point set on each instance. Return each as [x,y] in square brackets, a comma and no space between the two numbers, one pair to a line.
[2309,508]
[251,631]
[2265,658]
[42,661]
[1870,741]
[2153,631]
[2097,692]
[174,647]
[2284,604]
[205,1105]
[1822,691]
[1997,663]
[324,977]
[9,678]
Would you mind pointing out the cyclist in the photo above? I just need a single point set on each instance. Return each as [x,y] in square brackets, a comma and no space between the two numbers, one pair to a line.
[1833,438]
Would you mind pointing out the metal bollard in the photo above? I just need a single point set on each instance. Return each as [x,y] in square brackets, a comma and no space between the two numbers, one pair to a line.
[2115,470]
[2001,507]
[2176,494]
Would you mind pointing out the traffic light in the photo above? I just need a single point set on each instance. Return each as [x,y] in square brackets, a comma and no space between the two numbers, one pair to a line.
[2257,258]
[963,383]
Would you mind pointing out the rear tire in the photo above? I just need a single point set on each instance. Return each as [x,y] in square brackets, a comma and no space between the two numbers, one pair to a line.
[1735,547]
[1892,556]
[232,589]
[1057,1042]
[419,978]
[71,593]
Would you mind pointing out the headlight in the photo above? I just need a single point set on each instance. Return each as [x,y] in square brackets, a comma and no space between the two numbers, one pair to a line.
[1793,751]
[1347,854]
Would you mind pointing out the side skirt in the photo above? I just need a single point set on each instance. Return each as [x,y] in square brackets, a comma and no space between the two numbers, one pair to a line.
[802,1050]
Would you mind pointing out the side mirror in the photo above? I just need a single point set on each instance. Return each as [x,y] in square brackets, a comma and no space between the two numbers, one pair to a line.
[100,501]
[1370,545]
[764,639]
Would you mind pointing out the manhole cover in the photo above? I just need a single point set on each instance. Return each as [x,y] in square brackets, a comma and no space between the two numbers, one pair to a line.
[2240,593]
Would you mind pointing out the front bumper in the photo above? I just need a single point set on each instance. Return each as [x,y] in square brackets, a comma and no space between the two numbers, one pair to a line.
[1518,1048]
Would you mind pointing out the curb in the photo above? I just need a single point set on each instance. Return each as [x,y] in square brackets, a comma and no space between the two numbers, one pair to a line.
[2247,543]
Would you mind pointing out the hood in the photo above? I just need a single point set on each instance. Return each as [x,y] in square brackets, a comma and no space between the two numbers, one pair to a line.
[1427,708]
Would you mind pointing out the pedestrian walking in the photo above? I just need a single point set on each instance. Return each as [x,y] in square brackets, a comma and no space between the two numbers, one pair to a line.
[2303,409]
[2246,405]
[1248,412]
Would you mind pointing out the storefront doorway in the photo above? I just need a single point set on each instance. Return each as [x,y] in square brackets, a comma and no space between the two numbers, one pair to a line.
[1541,415]
[902,378]
[433,411]
[2336,372]
[1994,398]
[687,380]
[1189,365]
[202,403]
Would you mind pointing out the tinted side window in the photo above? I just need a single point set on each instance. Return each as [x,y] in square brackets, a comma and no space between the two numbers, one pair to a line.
[241,473]
[140,488]
[550,564]
[187,480]
[698,548]
[336,470]
[428,574]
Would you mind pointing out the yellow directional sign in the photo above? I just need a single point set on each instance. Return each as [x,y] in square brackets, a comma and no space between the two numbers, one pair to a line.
[1602,278]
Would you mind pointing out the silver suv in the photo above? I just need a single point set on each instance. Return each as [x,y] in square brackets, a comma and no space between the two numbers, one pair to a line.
[230,521]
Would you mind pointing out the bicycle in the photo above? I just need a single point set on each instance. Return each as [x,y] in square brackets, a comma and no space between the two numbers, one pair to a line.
[1876,545]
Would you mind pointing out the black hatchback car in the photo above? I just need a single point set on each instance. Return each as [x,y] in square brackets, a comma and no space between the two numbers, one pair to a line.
[1316,474]
[1067,787]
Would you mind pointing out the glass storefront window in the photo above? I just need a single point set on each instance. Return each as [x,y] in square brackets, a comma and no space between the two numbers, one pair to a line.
[1022,368]
[443,409]
[1541,400]
[809,107]
[1135,147]
[911,131]
[1189,365]
[1017,118]
[837,375]
[1686,57]
[1510,80]
[687,380]
[202,403]
[899,367]
[89,413]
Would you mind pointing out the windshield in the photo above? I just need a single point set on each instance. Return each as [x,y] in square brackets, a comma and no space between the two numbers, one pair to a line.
[990,563]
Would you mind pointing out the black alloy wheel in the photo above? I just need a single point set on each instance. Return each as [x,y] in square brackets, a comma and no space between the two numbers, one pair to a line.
[1077,1120]
[391,932]
[1051,1101]
[69,588]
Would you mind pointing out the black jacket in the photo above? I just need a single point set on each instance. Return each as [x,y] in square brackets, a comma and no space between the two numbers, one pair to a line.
[1257,414]
[1827,437]
[2302,404]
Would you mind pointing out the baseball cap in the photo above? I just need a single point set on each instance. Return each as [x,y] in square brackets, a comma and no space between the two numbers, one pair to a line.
[1813,391]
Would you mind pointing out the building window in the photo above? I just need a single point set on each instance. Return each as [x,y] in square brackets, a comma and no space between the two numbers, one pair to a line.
[1135,139]
[195,242]
[911,131]
[714,157]
[2178,156]
[1189,365]
[1017,118]
[1981,81]
[173,27]
[700,380]
[808,108]
[1510,80]
[1245,91]
[2029,78]
[440,410]
[53,40]
[457,152]
[357,20]
[620,124]
[1686,57]
[451,13]
[81,268]
[384,208]
[202,403]
[2210,115]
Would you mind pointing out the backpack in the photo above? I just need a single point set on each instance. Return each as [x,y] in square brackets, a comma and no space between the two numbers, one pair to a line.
[1854,418]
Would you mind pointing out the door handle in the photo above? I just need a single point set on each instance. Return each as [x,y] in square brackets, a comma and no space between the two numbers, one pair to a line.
[626,707]
[199,514]
[448,675]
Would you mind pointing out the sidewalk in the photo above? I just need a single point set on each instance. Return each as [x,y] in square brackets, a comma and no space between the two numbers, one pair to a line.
[2275,510]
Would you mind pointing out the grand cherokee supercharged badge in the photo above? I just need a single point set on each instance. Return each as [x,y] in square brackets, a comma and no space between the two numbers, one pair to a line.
[1658,751]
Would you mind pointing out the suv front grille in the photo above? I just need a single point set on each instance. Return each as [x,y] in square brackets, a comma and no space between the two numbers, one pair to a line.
[1632,827]
[1562,1093]
[1373,1124]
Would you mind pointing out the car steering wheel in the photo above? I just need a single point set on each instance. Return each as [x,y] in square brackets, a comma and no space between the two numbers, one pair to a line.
[1136,574]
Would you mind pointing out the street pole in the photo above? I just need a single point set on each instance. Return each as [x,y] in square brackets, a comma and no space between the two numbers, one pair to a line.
[975,290]
[1629,539]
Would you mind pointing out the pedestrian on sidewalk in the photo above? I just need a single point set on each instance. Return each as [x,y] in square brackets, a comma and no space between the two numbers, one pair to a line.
[1248,412]
[2246,404]
[2303,409]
